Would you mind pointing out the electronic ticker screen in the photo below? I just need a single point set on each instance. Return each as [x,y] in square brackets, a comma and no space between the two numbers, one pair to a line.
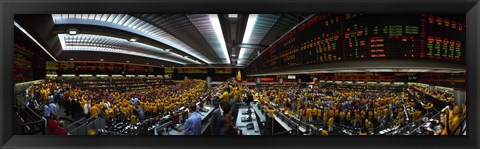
[339,37]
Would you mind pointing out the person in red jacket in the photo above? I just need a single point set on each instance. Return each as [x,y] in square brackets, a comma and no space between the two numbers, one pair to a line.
[52,125]
[60,129]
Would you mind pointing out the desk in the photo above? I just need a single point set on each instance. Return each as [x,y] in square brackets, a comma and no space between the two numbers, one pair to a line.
[261,115]
[283,124]
[242,125]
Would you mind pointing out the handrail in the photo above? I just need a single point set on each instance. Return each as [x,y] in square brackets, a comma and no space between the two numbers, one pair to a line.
[41,122]
[75,123]
[23,104]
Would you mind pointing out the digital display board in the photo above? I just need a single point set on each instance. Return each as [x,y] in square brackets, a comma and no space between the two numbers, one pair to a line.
[90,66]
[339,37]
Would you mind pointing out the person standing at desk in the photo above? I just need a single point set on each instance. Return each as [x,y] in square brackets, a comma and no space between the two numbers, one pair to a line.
[193,125]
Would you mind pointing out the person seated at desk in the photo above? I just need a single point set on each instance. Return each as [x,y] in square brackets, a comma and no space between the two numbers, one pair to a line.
[193,125]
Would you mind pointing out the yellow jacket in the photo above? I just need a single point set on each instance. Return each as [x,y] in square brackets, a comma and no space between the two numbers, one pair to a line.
[330,122]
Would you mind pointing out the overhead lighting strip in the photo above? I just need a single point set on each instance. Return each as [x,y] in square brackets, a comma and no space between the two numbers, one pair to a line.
[114,45]
[131,24]
[34,40]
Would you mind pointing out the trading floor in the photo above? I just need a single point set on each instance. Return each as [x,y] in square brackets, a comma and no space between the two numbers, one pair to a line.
[240,74]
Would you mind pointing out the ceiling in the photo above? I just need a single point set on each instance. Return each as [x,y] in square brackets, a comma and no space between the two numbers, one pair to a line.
[231,40]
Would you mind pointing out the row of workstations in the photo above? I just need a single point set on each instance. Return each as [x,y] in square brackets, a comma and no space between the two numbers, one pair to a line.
[277,123]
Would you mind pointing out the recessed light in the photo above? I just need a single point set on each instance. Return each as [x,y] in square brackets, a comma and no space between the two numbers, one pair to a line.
[128,61]
[102,59]
[168,50]
[186,56]
[71,59]
[232,15]
[72,31]
[133,39]
[234,55]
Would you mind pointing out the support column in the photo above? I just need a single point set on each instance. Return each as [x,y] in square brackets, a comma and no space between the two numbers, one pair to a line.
[209,82]
[280,81]
[299,80]
[459,97]
[185,78]
[258,82]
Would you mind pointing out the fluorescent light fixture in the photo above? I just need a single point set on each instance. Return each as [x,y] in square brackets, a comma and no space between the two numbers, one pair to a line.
[399,83]
[71,59]
[234,55]
[385,83]
[419,70]
[102,59]
[85,75]
[68,75]
[252,18]
[127,61]
[218,31]
[147,63]
[102,75]
[52,75]
[168,50]
[142,76]
[232,16]
[33,39]
[379,70]
[130,75]
[117,75]
[162,65]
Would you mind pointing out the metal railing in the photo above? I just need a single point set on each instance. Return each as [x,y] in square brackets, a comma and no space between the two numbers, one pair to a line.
[30,121]
[91,123]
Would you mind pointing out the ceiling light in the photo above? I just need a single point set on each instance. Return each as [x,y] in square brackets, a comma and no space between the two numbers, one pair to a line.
[133,39]
[72,31]
[168,50]
[252,18]
[102,59]
[232,15]
[218,31]
[234,55]
[162,65]
[71,59]
[128,61]
[186,56]
[147,63]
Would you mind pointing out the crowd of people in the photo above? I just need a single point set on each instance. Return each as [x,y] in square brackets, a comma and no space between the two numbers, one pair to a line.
[128,106]
[361,111]
[351,109]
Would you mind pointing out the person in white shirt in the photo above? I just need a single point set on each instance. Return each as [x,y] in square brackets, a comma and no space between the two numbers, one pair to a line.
[86,110]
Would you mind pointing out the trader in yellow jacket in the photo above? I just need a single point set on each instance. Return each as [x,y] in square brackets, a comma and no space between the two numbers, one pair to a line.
[455,121]
[330,124]
[309,114]
[94,111]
